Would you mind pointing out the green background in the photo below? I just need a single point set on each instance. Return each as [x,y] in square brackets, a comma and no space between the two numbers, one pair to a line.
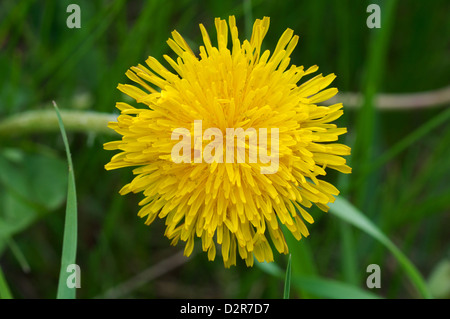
[400,158]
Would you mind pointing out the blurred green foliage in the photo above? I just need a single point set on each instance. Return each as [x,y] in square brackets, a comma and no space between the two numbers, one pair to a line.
[41,60]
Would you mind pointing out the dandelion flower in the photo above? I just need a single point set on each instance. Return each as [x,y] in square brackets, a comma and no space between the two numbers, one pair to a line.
[231,206]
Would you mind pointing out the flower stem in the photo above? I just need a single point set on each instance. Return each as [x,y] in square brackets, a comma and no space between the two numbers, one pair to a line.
[47,121]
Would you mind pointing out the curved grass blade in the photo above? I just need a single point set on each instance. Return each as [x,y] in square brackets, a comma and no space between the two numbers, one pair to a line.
[5,293]
[287,279]
[69,249]
[20,257]
[333,289]
[346,211]
[402,145]
[320,287]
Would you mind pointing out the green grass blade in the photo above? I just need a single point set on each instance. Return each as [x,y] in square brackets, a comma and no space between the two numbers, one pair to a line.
[365,144]
[302,260]
[5,293]
[406,142]
[17,252]
[69,249]
[287,279]
[349,260]
[320,287]
[333,289]
[346,211]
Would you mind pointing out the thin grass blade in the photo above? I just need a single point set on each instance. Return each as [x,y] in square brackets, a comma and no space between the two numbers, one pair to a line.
[347,212]
[320,287]
[5,293]
[287,279]
[69,249]
[20,257]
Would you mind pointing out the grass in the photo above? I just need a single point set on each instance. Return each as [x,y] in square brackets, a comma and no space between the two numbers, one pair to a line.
[287,280]
[5,292]
[344,210]
[69,248]
[367,117]
[392,211]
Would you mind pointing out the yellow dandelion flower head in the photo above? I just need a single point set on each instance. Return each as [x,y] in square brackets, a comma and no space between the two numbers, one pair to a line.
[254,101]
